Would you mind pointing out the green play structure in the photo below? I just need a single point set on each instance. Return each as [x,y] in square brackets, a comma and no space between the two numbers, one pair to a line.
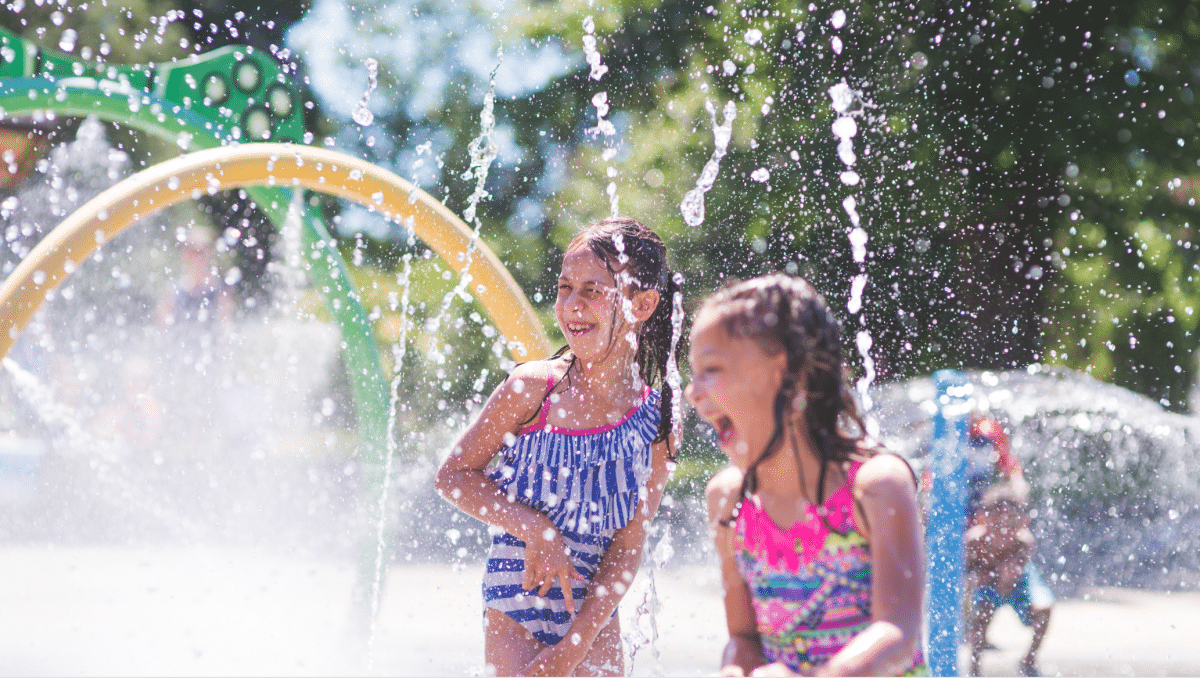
[231,97]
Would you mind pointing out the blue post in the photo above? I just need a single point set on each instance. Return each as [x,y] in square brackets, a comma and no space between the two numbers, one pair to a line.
[947,521]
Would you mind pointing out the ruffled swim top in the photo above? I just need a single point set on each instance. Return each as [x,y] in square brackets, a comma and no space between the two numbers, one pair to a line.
[586,481]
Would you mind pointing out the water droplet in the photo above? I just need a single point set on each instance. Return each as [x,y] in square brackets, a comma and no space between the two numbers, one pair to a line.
[692,207]
[844,127]
[67,41]
[591,54]
[842,97]
[362,115]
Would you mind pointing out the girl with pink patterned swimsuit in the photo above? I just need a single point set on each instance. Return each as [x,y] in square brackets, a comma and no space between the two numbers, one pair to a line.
[817,531]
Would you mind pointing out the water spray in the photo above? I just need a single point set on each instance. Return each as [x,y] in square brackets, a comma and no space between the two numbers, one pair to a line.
[692,205]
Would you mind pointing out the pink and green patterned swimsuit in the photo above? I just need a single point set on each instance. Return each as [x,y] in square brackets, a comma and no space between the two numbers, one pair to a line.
[811,583]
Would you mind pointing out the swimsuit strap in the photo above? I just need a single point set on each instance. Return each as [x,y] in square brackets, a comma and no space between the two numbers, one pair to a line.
[851,474]
[546,410]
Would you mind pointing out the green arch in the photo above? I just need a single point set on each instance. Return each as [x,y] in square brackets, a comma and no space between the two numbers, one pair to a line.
[170,100]
[123,104]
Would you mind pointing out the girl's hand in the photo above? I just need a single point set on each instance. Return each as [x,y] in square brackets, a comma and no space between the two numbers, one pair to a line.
[546,559]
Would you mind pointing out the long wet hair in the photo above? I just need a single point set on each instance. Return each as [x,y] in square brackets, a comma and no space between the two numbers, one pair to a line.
[783,313]
[637,259]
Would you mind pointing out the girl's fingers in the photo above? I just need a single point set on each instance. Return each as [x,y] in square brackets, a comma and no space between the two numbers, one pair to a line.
[531,580]
[568,593]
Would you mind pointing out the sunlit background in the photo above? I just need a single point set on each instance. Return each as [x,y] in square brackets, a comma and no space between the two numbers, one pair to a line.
[1004,188]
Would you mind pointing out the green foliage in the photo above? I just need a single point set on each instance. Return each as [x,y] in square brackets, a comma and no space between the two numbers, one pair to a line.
[1028,169]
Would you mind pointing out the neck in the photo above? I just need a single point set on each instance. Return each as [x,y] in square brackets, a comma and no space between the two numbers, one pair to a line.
[616,374]
[792,471]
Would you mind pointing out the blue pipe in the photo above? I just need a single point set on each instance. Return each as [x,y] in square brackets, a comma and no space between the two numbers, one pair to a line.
[947,522]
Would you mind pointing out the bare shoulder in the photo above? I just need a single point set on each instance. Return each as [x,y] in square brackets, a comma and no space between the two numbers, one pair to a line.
[519,396]
[529,381]
[535,373]
[722,492]
[884,473]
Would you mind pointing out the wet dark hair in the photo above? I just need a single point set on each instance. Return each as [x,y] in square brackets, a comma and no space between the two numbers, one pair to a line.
[783,313]
[637,259]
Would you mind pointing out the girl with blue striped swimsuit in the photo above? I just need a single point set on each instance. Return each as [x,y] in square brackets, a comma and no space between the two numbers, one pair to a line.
[568,459]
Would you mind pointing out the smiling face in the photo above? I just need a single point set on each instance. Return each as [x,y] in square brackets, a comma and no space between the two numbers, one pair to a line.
[733,388]
[587,307]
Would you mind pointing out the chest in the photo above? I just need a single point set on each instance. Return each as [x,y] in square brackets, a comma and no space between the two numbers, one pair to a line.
[828,588]
[571,410]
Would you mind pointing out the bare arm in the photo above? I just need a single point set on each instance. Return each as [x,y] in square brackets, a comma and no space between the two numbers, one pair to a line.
[884,491]
[743,653]
[612,579]
[461,479]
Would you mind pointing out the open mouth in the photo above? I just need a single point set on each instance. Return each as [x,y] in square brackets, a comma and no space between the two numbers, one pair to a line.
[724,428]
[576,329]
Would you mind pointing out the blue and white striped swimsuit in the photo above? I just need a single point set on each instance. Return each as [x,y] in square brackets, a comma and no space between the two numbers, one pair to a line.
[589,483]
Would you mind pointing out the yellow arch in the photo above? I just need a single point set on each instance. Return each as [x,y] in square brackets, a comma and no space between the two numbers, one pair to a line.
[282,165]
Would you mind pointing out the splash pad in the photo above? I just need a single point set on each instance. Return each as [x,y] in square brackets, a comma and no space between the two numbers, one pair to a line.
[191,176]
[211,101]
[131,101]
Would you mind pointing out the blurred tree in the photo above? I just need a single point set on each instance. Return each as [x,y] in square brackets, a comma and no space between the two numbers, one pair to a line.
[1025,172]
[1027,169]
[1075,122]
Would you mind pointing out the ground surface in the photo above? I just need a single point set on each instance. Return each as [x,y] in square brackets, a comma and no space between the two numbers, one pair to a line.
[89,611]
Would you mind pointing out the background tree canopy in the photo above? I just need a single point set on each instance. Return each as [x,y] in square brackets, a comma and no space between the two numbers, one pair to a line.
[1026,170]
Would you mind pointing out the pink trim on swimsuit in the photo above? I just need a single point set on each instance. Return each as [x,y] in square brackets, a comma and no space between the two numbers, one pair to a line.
[541,424]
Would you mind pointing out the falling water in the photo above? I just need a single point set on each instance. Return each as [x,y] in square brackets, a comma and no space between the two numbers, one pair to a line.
[658,558]
[600,101]
[648,608]
[483,151]
[624,281]
[692,205]
[288,265]
[589,49]
[674,379]
[362,114]
[844,100]
[399,351]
